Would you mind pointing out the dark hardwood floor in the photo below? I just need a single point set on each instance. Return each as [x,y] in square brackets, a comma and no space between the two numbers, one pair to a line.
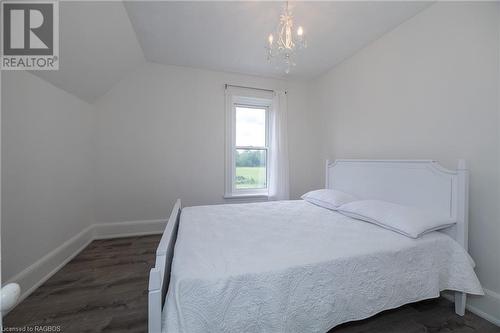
[104,289]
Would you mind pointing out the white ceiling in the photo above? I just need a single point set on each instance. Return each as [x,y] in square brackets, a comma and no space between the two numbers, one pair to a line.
[98,47]
[231,36]
[100,43]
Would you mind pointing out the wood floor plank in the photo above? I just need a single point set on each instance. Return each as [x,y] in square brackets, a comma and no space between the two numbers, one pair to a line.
[104,289]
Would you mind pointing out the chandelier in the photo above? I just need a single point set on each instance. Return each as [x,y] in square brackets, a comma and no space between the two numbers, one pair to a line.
[285,41]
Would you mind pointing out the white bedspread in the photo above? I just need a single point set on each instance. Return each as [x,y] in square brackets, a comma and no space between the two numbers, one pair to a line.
[290,266]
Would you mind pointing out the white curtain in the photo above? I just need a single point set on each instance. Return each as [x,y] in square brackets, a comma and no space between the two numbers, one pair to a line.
[279,182]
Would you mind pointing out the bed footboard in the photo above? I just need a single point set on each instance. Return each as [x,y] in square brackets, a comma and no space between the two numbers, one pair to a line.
[159,276]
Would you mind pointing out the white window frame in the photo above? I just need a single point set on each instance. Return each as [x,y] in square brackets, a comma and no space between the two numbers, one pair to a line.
[247,100]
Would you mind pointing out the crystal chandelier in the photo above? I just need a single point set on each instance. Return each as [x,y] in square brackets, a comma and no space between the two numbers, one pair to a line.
[285,41]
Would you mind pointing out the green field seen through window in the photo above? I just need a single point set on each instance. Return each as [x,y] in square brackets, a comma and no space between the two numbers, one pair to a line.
[250,177]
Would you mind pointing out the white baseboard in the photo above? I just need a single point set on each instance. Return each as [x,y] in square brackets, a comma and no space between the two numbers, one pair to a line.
[486,307]
[128,228]
[36,274]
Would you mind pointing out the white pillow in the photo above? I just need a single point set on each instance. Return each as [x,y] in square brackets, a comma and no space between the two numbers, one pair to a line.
[408,221]
[329,199]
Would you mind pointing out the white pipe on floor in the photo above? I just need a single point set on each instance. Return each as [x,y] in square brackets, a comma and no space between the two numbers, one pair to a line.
[9,294]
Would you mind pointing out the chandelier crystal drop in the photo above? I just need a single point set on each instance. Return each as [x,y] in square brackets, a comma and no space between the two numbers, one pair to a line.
[283,44]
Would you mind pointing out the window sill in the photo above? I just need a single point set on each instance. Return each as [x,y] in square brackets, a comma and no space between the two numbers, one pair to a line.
[246,196]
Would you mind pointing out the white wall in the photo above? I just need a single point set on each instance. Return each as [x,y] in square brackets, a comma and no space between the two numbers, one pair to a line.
[428,89]
[161,137]
[47,162]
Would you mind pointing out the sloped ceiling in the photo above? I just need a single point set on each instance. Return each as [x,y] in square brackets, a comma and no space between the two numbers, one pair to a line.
[101,42]
[98,47]
[231,36]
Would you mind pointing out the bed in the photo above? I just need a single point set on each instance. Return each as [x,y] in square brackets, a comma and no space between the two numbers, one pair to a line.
[291,266]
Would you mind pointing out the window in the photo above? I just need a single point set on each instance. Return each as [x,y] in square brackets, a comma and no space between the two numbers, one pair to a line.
[247,169]
[250,160]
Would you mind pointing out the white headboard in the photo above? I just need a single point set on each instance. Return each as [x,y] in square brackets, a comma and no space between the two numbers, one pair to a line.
[418,183]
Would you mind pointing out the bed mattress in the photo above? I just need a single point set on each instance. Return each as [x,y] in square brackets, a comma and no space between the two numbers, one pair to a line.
[290,266]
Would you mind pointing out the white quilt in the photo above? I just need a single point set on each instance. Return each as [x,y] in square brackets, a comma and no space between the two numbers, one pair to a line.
[290,266]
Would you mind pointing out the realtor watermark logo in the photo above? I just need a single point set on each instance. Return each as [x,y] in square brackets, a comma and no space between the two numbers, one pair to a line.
[30,35]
